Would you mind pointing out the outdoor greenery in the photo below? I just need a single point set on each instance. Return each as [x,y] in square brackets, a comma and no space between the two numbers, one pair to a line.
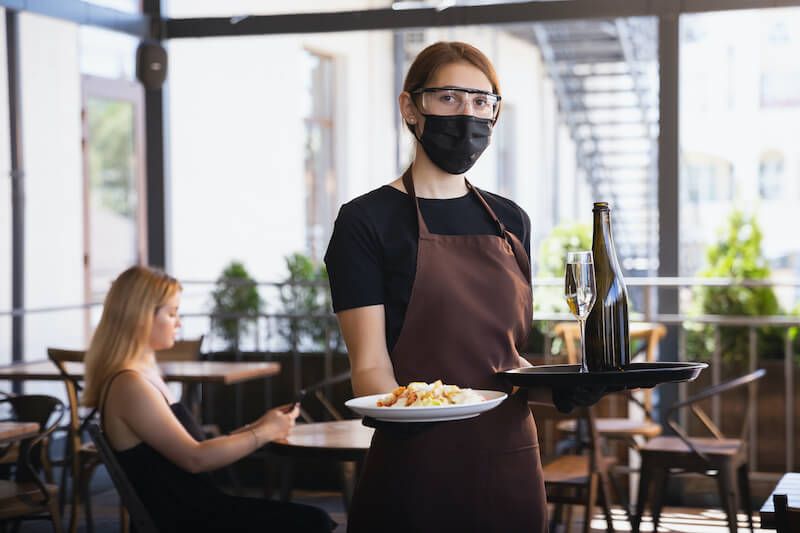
[111,150]
[737,255]
[306,297]
[552,253]
[235,293]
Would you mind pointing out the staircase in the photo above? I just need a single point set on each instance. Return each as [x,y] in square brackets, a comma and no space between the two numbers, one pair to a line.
[604,72]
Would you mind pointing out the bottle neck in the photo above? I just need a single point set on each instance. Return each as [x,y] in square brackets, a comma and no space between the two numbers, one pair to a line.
[603,237]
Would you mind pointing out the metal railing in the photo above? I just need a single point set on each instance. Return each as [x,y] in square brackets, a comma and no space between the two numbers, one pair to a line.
[269,333]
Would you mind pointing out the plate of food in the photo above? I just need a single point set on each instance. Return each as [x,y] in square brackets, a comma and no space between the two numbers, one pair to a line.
[427,402]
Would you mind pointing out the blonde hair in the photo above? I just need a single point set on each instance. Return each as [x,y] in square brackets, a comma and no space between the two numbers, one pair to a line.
[125,325]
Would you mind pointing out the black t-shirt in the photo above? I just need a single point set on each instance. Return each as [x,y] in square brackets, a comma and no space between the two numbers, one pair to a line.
[372,255]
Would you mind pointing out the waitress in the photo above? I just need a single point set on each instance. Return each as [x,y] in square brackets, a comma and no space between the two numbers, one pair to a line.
[430,280]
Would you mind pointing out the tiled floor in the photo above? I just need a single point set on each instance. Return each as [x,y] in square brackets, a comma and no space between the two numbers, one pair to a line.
[674,519]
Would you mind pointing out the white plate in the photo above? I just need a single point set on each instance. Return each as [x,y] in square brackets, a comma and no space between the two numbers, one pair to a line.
[367,406]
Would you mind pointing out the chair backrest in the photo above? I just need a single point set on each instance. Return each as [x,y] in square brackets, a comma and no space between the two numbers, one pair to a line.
[183,350]
[47,412]
[692,402]
[139,516]
[59,358]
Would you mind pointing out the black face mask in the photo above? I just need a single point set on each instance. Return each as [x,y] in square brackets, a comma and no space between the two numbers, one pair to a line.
[454,143]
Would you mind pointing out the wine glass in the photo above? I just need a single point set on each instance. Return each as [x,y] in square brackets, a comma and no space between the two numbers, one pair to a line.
[580,292]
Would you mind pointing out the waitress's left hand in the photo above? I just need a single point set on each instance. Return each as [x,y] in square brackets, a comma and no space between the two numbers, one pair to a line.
[565,399]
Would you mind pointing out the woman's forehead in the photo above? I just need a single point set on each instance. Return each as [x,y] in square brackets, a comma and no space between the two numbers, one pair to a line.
[460,75]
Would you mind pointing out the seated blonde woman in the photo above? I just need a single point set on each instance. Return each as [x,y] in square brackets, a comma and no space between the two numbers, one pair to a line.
[158,444]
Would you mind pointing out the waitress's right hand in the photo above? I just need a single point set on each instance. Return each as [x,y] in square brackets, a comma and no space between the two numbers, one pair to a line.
[275,424]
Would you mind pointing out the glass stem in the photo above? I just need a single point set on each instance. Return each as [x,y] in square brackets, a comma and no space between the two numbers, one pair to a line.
[584,368]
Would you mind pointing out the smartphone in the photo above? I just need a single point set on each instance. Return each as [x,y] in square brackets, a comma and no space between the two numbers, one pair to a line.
[298,398]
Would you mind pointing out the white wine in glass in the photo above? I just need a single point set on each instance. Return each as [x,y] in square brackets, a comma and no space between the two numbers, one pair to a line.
[579,291]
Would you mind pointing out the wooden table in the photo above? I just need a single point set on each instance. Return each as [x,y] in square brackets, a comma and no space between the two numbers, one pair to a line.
[344,441]
[188,373]
[16,431]
[224,372]
[789,485]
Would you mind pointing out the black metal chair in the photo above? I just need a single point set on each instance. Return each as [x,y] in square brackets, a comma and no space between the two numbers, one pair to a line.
[787,519]
[28,496]
[726,458]
[139,516]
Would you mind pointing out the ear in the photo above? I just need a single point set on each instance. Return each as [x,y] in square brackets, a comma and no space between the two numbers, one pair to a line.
[408,109]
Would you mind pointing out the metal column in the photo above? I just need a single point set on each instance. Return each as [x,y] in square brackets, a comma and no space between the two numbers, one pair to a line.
[154,154]
[17,191]
[668,191]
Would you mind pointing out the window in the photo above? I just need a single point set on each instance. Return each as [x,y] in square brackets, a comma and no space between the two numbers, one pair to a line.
[320,174]
[708,179]
[770,175]
[506,152]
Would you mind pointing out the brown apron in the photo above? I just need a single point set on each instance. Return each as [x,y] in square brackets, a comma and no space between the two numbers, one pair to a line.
[470,307]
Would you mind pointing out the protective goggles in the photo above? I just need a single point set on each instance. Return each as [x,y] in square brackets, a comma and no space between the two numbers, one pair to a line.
[448,101]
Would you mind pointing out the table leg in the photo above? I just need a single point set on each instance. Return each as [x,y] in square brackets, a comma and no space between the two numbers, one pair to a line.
[350,472]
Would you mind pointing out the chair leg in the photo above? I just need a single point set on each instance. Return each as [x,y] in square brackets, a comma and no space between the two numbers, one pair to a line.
[555,520]
[62,486]
[728,493]
[86,481]
[55,516]
[76,491]
[591,498]
[744,490]
[605,493]
[568,518]
[660,478]
[641,499]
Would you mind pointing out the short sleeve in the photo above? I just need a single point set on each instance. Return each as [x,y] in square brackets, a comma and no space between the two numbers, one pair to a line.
[526,232]
[354,261]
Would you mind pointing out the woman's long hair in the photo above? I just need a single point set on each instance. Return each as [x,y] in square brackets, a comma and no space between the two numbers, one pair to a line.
[125,325]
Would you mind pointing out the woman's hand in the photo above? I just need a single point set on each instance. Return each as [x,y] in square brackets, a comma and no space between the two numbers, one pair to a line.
[275,424]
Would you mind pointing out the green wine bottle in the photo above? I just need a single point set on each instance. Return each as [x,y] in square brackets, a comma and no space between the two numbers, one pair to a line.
[607,338]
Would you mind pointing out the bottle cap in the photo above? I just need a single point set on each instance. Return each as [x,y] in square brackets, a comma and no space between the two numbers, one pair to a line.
[601,206]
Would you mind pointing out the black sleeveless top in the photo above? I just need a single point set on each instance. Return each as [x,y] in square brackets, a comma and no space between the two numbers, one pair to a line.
[174,497]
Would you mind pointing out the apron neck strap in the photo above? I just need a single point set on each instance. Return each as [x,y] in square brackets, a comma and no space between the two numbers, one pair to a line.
[488,208]
[408,182]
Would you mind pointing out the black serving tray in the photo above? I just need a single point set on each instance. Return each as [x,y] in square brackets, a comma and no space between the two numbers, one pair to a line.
[635,376]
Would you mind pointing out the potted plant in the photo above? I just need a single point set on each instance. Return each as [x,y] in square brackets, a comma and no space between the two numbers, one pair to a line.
[236,304]
[306,297]
[738,255]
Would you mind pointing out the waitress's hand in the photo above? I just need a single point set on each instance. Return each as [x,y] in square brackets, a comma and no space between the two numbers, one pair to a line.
[565,399]
[398,430]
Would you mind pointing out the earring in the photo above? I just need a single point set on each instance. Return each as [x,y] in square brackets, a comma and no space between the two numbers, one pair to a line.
[411,121]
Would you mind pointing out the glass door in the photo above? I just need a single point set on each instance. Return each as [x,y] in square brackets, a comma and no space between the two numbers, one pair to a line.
[114,195]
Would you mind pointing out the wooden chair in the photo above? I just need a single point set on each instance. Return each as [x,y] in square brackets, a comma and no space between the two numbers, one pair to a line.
[138,512]
[624,429]
[28,496]
[80,458]
[188,350]
[182,350]
[726,458]
[580,479]
[787,519]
